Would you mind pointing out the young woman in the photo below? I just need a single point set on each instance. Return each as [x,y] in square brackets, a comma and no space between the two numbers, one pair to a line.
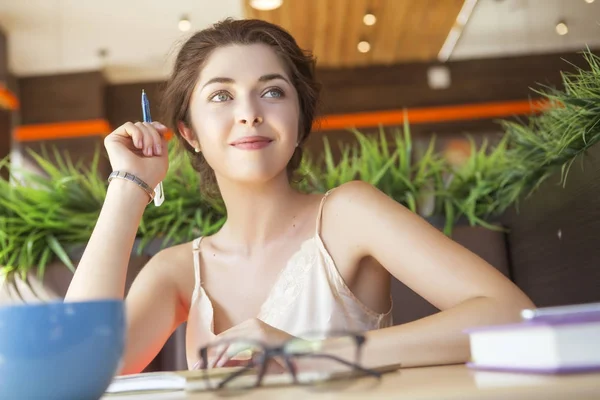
[242,99]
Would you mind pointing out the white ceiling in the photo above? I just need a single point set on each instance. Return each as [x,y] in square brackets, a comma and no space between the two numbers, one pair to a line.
[502,27]
[55,36]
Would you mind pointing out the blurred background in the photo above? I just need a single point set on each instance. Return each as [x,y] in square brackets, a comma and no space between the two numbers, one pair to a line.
[73,70]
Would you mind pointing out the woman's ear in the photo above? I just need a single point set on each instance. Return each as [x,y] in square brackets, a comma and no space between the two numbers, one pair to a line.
[188,134]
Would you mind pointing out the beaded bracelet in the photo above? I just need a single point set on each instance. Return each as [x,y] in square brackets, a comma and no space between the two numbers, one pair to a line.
[134,179]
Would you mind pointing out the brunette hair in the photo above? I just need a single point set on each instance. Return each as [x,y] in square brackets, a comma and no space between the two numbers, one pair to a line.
[192,57]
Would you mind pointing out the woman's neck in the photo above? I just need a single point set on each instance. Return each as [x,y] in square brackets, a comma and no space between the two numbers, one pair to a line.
[260,214]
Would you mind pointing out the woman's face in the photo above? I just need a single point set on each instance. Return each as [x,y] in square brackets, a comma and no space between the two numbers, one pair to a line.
[244,111]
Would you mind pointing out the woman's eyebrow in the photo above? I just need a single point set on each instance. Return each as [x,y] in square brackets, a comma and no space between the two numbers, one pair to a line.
[218,79]
[264,78]
[270,77]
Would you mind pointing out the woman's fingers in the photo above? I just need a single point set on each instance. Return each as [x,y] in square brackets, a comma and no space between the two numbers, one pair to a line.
[156,138]
[148,140]
[146,136]
[219,358]
[229,355]
[129,129]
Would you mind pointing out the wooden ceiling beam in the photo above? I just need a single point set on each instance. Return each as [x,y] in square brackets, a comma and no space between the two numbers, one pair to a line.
[406,30]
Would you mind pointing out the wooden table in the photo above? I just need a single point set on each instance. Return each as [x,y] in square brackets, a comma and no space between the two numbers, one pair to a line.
[443,382]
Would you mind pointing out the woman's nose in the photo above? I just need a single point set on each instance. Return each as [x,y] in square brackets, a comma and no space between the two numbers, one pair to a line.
[251,121]
[249,113]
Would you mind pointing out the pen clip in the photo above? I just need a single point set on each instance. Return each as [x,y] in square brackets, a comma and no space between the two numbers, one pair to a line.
[159,195]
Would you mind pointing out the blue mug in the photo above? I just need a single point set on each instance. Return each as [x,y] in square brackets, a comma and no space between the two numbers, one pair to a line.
[60,351]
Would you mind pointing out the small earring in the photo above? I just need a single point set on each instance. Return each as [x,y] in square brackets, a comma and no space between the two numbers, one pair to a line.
[197,149]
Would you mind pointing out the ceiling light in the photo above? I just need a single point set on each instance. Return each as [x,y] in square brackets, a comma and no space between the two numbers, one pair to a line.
[266,5]
[369,19]
[589,1]
[364,46]
[184,24]
[562,28]
[438,77]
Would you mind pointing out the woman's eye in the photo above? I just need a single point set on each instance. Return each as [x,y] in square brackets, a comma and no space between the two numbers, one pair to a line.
[220,97]
[273,93]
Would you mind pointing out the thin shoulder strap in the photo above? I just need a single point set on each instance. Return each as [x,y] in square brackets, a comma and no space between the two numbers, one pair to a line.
[320,212]
[196,254]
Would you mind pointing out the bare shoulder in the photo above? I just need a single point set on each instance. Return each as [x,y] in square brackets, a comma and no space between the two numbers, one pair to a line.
[356,200]
[170,258]
[179,252]
[357,213]
[357,193]
[172,265]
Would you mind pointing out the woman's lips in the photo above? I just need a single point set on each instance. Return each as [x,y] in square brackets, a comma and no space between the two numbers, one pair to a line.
[252,143]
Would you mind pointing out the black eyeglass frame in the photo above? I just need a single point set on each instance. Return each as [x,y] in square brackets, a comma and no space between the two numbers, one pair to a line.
[269,352]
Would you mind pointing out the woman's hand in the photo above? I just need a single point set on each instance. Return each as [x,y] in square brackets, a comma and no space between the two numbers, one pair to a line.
[140,149]
[256,329]
[252,329]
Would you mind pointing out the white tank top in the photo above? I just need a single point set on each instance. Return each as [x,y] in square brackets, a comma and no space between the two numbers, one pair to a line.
[309,295]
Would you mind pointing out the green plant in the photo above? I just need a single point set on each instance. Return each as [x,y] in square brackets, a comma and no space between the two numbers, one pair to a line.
[392,165]
[328,173]
[480,189]
[563,132]
[43,217]
[388,163]
[475,190]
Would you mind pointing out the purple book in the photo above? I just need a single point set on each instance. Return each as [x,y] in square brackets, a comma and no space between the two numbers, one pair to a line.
[549,344]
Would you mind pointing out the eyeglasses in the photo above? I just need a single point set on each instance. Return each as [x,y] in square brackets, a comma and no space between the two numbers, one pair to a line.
[296,361]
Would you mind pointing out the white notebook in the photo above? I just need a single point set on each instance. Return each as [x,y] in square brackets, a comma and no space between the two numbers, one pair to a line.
[148,381]
[195,380]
